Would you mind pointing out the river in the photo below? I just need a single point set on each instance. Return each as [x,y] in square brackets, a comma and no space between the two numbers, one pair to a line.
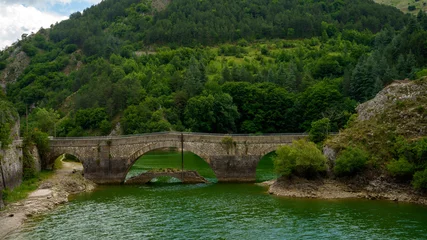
[166,209]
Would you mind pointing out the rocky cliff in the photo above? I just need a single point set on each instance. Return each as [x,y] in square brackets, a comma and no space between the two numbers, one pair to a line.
[400,109]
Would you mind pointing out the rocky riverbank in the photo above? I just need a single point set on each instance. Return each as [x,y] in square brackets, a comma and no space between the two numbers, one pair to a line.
[51,193]
[379,188]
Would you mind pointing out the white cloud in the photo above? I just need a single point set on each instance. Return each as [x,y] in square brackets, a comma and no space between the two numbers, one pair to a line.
[26,16]
[41,4]
[17,19]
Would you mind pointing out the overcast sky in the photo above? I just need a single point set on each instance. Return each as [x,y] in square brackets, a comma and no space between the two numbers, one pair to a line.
[26,16]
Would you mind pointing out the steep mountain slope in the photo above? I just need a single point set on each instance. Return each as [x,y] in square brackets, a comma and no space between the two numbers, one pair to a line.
[215,66]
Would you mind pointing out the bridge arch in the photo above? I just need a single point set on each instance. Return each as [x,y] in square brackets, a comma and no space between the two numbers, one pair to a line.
[133,158]
[56,153]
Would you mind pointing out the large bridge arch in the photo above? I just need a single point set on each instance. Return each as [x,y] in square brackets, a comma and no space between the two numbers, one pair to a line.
[133,158]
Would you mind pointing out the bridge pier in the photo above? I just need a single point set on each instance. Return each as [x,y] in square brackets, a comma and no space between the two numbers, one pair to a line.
[232,168]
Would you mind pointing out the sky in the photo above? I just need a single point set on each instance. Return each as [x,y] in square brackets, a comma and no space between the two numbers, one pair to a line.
[26,16]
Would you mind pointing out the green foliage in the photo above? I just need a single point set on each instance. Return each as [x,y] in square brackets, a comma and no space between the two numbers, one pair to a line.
[227,142]
[212,113]
[350,161]
[70,48]
[400,168]
[301,158]
[43,120]
[41,141]
[420,180]
[8,117]
[29,49]
[28,165]
[276,84]
[2,65]
[319,130]
[91,118]
[26,187]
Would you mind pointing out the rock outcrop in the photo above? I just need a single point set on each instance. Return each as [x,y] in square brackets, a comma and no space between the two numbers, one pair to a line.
[184,176]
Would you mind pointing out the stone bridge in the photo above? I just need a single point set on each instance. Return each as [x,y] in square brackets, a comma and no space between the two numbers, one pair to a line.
[107,160]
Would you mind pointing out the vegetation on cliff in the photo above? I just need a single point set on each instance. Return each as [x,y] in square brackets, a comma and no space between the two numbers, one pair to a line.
[8,118]
[390,131]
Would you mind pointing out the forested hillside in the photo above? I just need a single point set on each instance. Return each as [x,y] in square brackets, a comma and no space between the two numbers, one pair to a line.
[253,66]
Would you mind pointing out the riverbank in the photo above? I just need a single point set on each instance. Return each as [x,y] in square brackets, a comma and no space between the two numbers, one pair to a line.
[51,193]
[378,188]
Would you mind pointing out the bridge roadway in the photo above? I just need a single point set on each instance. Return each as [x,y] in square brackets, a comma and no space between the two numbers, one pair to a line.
[107,160]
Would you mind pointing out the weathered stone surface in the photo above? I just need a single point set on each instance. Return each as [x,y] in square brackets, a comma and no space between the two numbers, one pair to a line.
[184,176]
[107,160]
[1,200]
[11,162]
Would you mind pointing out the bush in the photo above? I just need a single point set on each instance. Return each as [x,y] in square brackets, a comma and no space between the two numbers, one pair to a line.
[400,168]
[319,130]
[350,161]
[301,158]
[420,180]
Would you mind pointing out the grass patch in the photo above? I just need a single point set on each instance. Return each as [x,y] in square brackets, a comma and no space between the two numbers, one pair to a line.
[27,186]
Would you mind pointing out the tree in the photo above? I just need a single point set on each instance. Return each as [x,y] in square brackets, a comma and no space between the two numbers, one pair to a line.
[301,158]
[319,130]
[211,113]
[44,119]
[350,161]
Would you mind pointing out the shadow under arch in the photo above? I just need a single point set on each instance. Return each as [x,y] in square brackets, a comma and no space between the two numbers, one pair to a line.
[265,167]
[70,160]
[167,156]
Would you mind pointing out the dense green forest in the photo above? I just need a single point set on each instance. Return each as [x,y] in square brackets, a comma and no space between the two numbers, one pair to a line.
[249,66]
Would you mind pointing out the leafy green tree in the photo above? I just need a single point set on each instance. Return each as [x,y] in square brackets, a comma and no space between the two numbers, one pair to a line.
[44,119]
[91,118]
[319,130]
[301,158]
[211,113]
[401,168]
[420,180]
[350,161]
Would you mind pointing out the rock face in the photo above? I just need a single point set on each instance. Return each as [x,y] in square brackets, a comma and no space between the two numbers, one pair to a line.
[19,61]
[378,188]
[184,176]
[11,162]
[1,200]
[403,103]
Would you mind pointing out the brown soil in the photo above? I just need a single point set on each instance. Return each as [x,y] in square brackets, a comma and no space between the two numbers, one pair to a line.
[52,192]
[378,188]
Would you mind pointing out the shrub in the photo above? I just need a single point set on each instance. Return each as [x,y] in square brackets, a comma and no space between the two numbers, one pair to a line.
[420,180]
[301,158]
[350,161]
[70,48]
[319,130]
[400,168]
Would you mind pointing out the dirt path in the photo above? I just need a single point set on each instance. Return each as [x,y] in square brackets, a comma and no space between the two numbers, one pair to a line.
[51,192]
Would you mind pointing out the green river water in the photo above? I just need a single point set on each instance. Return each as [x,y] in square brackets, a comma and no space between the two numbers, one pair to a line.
[219,211]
